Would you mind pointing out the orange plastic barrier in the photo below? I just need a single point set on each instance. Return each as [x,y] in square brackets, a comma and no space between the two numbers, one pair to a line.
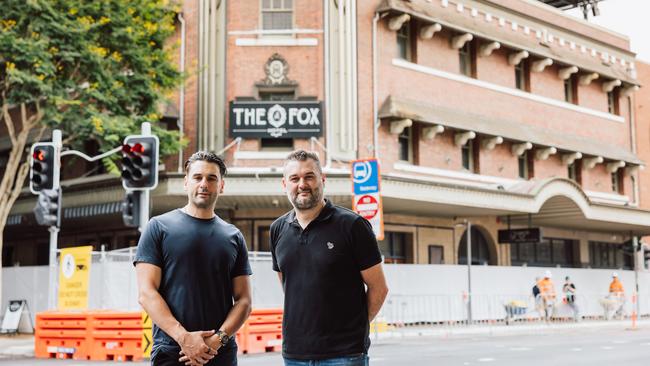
[262,331]
[89,335]
[61,335]
[115,336]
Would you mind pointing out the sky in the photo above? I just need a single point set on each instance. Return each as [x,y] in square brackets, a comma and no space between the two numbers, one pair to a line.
[628,17]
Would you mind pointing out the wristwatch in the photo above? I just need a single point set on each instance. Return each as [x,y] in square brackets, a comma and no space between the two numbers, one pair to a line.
[224,338]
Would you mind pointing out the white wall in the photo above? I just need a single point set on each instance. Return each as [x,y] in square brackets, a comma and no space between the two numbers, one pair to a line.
[417,292]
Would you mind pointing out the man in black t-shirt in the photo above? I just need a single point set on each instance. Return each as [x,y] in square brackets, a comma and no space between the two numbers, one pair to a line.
[193,274]
[324,255]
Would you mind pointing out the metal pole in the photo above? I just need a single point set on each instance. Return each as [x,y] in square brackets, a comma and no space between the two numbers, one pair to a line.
[469,271]
[51,297]
[144,197]
[635,242]
[54,230]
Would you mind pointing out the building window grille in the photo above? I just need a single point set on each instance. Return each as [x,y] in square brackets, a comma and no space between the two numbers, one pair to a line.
[521,76]
[616,184]
[404,42]
[612,102]
[570,91]
[395,247]
[277,14]
[405,143]
[466,59]
[550,252]
[524,168]
[608,255]
[467,152]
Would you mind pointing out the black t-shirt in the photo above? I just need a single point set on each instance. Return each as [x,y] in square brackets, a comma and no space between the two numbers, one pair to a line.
[199,259]
[570,295]
[325,308]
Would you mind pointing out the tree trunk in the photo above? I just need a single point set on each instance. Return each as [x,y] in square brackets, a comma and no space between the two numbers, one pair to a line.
[17,168]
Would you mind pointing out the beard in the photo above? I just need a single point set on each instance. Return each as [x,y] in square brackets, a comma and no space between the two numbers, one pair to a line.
[306,203]
[204,202]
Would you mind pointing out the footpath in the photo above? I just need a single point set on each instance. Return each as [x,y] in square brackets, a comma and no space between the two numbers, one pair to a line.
[21,346]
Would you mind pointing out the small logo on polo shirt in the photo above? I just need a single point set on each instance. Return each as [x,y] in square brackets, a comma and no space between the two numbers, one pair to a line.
[330,245]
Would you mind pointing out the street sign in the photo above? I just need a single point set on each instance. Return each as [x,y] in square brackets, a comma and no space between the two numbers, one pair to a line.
[517,236]
[367,206]
[365,176]
[147,335]
[367,197]
[74,275]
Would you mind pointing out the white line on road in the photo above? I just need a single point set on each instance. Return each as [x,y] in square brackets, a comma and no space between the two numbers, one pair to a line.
[607,347]
[520,349]
[485,359]
[619,342]
[645,344]
[576,349]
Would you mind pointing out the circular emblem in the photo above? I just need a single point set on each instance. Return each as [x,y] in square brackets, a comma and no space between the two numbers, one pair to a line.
[276,71]
[367,206]
[68,266]
[276,116]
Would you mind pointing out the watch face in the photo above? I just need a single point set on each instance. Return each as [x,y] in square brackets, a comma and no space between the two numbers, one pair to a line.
[224,338]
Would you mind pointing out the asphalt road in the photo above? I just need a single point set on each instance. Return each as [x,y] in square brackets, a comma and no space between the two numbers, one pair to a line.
[587,346]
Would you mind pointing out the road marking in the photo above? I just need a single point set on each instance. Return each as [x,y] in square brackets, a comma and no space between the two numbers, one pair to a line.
[645,344]
[485,359]
[520,349]
[619,342]
[576,349]
[607,347]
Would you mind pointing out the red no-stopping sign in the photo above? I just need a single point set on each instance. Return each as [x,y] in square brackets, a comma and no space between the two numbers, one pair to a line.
[367,206]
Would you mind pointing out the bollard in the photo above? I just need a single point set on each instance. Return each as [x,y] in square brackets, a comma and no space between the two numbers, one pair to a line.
[634,315]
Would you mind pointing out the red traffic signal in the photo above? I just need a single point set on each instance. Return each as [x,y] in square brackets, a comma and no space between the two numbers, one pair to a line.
[44,167]
[140,162]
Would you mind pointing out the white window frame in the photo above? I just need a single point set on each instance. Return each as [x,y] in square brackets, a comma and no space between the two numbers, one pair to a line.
[281,32]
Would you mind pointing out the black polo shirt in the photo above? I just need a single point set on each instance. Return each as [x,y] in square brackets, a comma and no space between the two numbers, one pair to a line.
[325,307]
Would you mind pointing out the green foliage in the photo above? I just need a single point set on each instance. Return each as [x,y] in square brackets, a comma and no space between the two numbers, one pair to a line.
[97,68]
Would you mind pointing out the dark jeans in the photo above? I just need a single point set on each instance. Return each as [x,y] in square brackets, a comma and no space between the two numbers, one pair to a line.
[169,357]
[357,360]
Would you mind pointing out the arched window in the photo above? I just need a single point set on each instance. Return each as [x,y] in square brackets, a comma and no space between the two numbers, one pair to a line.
[480,248]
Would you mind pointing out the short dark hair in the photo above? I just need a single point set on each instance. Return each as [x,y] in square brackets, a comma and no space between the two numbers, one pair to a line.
[210,157]
[302,155]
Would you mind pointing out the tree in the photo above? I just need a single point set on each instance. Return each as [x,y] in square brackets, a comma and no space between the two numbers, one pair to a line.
[94,69]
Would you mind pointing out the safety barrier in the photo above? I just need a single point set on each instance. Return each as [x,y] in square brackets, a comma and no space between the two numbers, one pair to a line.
[115,336]
[89,335]
[262,332]
[448,310]
[61,335]
[118,336]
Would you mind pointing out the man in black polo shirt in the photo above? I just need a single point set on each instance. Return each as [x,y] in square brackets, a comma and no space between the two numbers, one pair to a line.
[324,254]
[193,274]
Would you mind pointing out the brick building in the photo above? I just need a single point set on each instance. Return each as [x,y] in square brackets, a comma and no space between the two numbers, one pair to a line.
[500,113]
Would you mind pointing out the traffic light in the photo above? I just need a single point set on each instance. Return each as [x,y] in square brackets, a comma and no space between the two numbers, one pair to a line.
[131,209]
[48,208]
[44,167]
[140,162]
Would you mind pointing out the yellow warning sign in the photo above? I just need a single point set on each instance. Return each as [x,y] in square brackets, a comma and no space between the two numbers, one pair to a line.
[147,336]
[74,275]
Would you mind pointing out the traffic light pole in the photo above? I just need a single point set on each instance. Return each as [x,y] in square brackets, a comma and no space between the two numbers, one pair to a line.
[54,231]
[144,196]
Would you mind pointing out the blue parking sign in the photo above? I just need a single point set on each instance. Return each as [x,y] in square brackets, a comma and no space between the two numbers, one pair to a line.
[365,176]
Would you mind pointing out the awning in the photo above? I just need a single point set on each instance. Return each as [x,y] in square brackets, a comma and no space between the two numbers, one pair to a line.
[433,12]
[400,108]
[555,202]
